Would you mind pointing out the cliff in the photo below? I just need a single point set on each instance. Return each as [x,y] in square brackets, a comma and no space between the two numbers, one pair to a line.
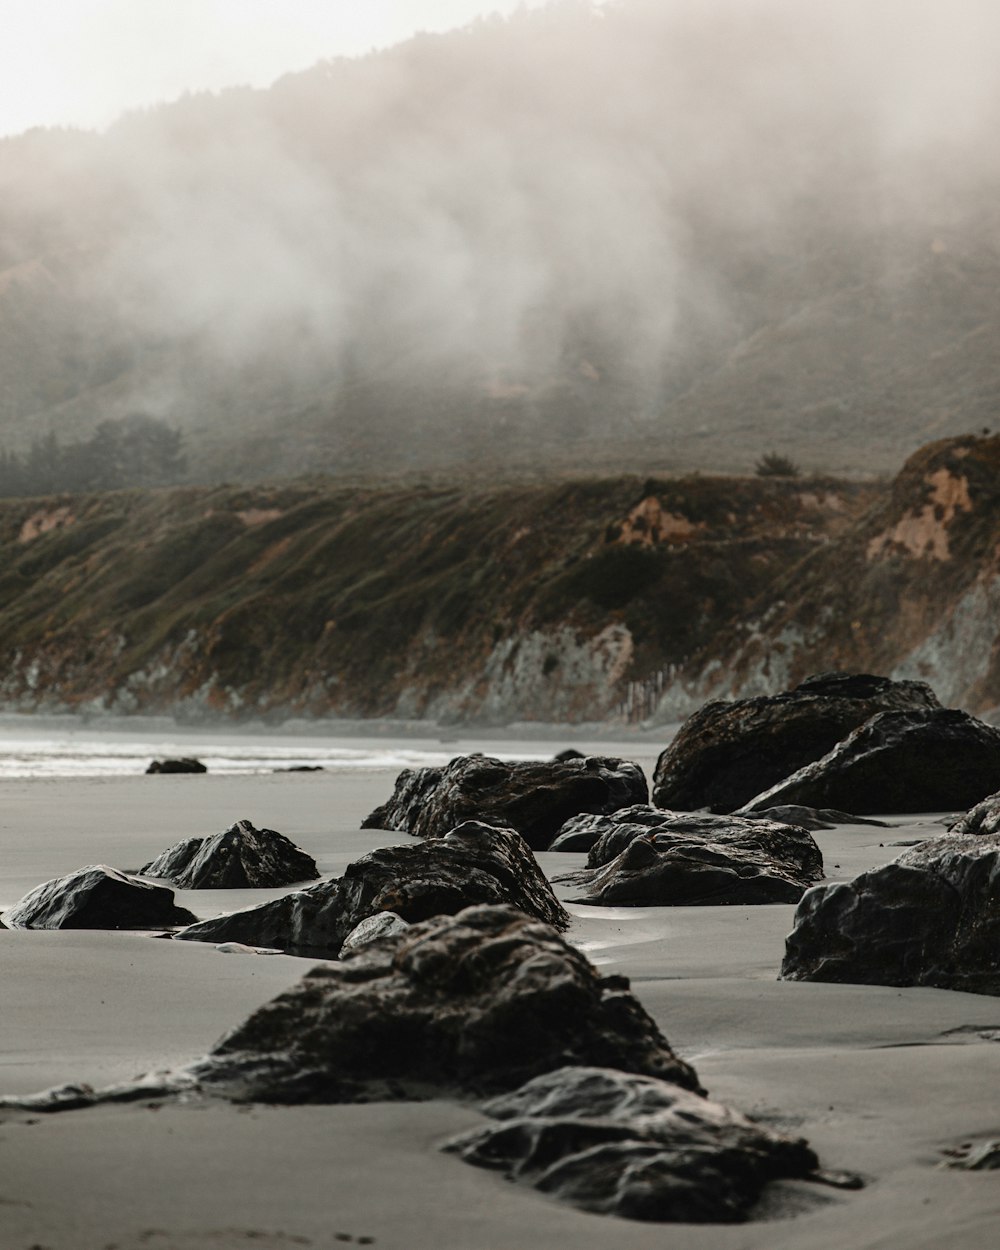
[565,602]
[910,589]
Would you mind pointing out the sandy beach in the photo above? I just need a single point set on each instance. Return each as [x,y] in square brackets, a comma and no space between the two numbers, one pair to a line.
[879,1080]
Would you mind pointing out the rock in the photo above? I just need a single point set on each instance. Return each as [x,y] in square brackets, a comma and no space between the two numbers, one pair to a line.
[239,857]
[610,835]
[571,753]
[382,924]
[930,917]
[924,761]
[533,798]
[814,817]
[473,864]
[632,1146]
[97,897]
[728,752]
[185,765]
[983,818]
[469,1005]
[698,861]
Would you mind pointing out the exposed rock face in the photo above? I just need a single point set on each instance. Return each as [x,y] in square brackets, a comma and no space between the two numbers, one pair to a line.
[474,864]
[382,924]
[931,917]
[239,857]
[735,862]
[534,798]
[97,897]
[899,762]
[185,765]
[617,1144]
[983,818]
[728,752]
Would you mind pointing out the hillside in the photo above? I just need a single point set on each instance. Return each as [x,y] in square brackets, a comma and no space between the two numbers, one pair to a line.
[639,237]
[573,601]
[910,589]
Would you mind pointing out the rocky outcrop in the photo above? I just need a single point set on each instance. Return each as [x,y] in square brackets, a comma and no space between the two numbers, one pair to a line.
[536,799]
[239,857]
[473,1004]
[983,818]
[473,864]
[97,897]
[630,1146]
[735,862]
[813,817]
[184,765]
[728,752]
[930,917]
[925,761]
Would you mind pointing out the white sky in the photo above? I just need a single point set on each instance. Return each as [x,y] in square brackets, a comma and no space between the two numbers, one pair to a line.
[82,62]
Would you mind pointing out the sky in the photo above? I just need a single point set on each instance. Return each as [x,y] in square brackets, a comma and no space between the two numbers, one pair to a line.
[84,62]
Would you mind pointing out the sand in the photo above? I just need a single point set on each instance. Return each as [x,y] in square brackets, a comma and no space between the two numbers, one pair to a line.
[876,1078]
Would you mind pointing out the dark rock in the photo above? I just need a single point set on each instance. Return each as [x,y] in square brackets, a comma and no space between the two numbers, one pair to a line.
[239,857]
[185,765]
[693,860]
[97,897]
[814,817]
[301,768]
[930,917]
[727,752]
[610,835]
[473,864]
[632,1146]
[472,1004]
[898,762]
[571,753]
[533,798]
[983,818]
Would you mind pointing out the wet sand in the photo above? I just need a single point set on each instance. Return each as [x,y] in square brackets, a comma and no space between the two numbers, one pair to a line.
[876,1078]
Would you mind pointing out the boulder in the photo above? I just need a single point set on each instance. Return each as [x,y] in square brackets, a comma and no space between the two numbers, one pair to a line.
[983,818]
[473,864]
[468,1005]
[727,752]
[605,837]
[239,857]
[930,917]
[618,1144]
[382,924]
[730,861]
[97,897]
[533,798]
[185,765]
[926,761]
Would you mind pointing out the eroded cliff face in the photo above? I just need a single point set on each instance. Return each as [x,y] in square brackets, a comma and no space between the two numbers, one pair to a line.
[912,589]
[579,601]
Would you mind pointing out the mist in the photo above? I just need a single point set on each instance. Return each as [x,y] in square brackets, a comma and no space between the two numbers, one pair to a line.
[562,225]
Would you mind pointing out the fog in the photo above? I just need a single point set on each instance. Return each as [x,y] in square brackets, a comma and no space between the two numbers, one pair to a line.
[612,198]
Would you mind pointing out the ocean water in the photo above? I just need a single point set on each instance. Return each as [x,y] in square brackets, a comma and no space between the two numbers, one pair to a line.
[54,751]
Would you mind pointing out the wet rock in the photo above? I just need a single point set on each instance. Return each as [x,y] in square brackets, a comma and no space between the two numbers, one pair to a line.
[728,752]
[571,753]
[185,765]
[239,857]
[983,818]
[473,864]
[898,762]
[97,897]
[472,1005]
[382,924]
[700,860]
[632,1146]
[930,917]
[533,798]
[582,833]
